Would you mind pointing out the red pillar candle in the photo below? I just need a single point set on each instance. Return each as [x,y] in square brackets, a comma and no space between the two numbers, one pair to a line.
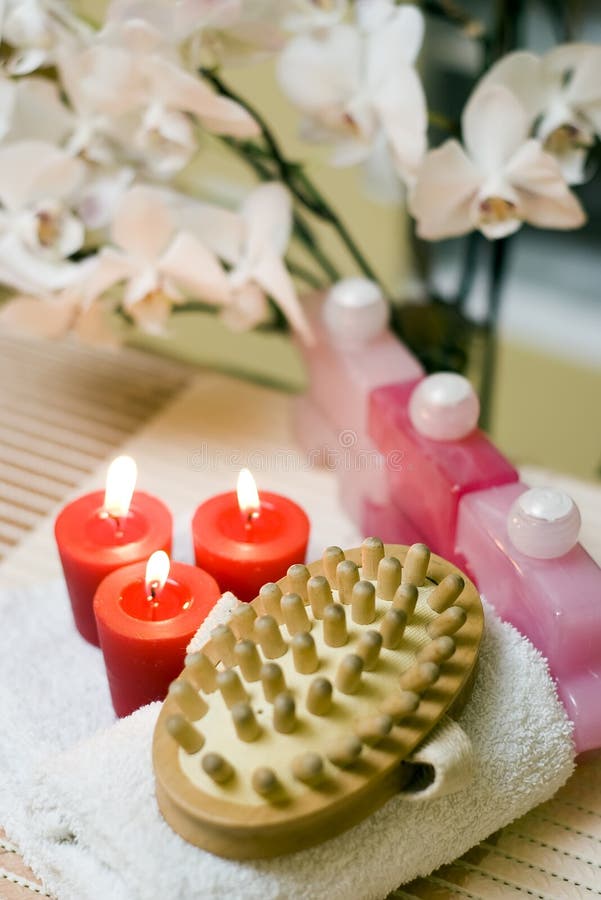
[145,623]
[103,531]
[245,540]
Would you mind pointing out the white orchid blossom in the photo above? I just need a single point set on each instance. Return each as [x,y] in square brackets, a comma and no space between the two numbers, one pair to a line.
[159,264]
[34,29]
[253,242]
[31,108]
[561,92]
[502,179]
[47,315]
[38,228]
[357,87]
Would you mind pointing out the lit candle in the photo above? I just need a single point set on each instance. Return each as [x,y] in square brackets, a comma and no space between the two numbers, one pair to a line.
[245,540]
[102,531]
[147,614]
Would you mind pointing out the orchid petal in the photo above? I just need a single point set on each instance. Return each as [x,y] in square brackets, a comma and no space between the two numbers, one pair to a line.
[321,71]
[494,231]
[100,195]
[144,222]
[8,91]
[151,313]
[401,106]
[181,90]
[494,125]
[249,307]
[545,199]
[308,15]
[396,44]
[195,269]
[584,88]
[30,273]
[271,274]
[108,269]
[39,112]
[444,191]
[221,230]
[143,283]
[35,170]
[382,180]
[26,61]
[349,153]
[267,212]
[523,73]
[35,317]
[92,326]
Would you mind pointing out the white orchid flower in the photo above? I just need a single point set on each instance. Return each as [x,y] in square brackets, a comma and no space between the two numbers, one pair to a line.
[561,91]
[357,87]
[178,19]
[48,315]
[35,28]
[158,263]
[505,178]
[38,229]
[253,242]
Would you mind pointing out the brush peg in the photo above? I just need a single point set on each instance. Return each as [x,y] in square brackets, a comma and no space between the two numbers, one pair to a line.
[319,697]
[247,657]
[271,597]
[265,782]
[390,573]
[187,736]
[188,699]
[438,650]
[224,641]
[295,614]
[363,603]
[332,556]
[450,621]
[348,676]
[245,723]
[201,672]
[242,621]
[304,653]
[400,706]
[445,593]
[392,628]
[284,713]
[217,767]
[308,768]
[419,677]
[372,551]
[374,729]
[231,688]
[320,595]
[416,564]
[347,575]
[335,633]
[405,598]
[269,637]
[345,752]
[298,576]
[368,648]
[272,680]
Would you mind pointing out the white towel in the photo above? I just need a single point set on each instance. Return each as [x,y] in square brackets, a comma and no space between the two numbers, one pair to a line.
[92,830]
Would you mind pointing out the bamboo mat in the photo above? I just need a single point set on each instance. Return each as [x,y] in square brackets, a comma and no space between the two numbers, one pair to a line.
[65,410]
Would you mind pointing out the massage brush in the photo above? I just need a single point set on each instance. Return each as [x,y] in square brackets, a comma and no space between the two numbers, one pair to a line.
[296,718]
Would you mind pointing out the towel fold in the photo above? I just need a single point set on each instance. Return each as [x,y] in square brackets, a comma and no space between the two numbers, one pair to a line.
[94,829]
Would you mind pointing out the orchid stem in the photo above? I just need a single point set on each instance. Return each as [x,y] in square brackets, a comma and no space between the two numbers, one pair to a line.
[295,178]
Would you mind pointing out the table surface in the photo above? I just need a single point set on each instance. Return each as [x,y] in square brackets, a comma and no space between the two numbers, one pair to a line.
[65,410]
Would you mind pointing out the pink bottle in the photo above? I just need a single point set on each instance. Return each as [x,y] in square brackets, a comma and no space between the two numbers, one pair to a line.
[427,476]
[556,602]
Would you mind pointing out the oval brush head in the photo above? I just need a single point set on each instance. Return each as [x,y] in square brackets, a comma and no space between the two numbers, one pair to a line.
[293,721]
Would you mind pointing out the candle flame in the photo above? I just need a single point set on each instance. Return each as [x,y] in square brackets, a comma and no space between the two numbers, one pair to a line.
[157,572]
[248,496]
[120,484]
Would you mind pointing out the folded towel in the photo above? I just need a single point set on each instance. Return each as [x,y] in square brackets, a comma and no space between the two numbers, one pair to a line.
[94,829]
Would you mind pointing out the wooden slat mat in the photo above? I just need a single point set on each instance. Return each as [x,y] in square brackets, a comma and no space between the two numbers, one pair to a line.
[64,411]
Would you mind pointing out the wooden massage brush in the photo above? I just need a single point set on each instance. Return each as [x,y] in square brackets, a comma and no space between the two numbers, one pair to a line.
[293,721]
